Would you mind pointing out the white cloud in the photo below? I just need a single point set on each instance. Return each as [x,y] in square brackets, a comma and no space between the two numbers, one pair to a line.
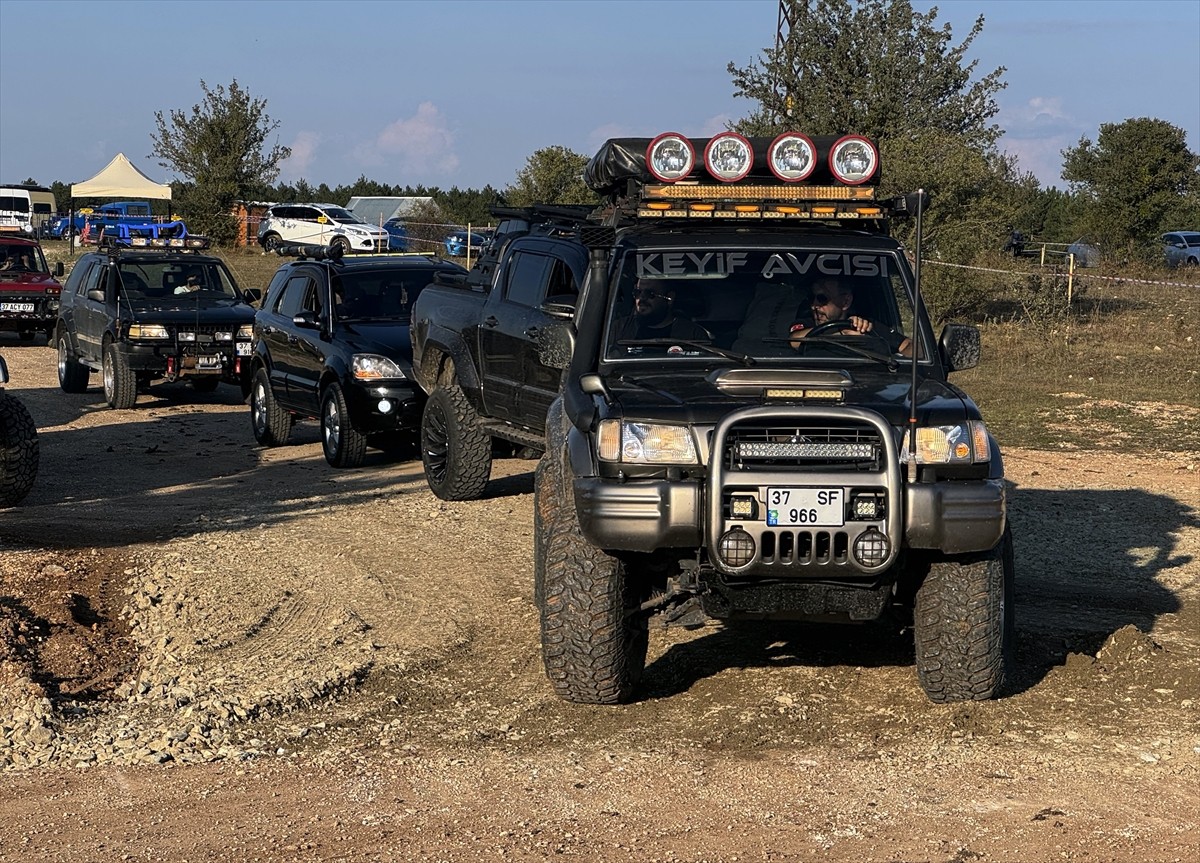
[421,144]
[304,152]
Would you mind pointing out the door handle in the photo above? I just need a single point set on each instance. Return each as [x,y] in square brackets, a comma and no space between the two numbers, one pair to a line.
[292,340]
[490,321]
[532,332]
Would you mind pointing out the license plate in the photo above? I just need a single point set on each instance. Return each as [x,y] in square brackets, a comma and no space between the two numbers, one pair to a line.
[207,362]
[806,507]
[244,349]
[16,307]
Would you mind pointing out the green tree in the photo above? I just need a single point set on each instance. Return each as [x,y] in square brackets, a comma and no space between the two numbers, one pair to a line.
[221,148]
[552,175]
[1138,179]
[876,68]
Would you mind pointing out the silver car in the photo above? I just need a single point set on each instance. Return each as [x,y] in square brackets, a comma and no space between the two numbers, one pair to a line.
[1182,248]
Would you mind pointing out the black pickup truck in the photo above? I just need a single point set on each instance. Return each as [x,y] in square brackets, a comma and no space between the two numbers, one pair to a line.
[744,411]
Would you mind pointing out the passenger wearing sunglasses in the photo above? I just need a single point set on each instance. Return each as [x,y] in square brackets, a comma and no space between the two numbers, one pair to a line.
[831,303]
[654,316]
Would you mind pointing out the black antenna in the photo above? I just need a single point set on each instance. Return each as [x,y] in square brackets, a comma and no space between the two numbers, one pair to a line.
[917,338]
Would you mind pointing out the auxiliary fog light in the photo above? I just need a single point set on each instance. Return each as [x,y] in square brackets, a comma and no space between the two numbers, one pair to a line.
[736,548]
[871,547]
[866,506]
[385,406]
[670,157]
[742,506]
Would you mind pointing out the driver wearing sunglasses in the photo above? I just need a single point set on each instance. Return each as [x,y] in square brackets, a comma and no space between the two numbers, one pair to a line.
[831,303]
[654,316]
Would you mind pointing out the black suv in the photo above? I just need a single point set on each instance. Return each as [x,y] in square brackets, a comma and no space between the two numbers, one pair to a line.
[144,314]
[331,341]
[745,413]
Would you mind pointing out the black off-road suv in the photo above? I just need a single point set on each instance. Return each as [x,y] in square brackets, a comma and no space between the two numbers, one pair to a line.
[18,446]
[749,416]
[331,342]
[164,311]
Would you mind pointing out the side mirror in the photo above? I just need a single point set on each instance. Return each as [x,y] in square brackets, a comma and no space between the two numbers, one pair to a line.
[555,343]
[961,346]
[306,319]
[96,294]
[59,269]
[252,295]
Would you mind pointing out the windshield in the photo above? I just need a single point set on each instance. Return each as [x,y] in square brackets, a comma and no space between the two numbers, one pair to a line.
[22,259]
[345,217]
[759,303]
[159,280]
[379,295]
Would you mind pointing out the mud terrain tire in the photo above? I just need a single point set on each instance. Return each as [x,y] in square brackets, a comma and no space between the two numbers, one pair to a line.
[593,649]
[456,453]
[963,626]
[120,383]
[271,424]
[19,453]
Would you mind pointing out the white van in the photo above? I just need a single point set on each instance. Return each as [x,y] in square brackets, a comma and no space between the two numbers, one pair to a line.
[25,209]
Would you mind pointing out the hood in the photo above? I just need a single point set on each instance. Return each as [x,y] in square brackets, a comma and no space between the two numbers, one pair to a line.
[177,310]
[38,283]
[702,399]
[387,338]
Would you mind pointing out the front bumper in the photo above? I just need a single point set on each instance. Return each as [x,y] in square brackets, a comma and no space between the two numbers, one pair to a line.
[952,516]
[385,407]
[25,312]
[174,360]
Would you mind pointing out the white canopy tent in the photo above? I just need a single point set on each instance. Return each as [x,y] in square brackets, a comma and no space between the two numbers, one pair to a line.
[119,179]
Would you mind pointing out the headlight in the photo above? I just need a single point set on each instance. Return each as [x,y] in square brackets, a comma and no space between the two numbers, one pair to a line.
[223,337]
[148,331]
[370,367]
[853,160]
[646,443]
[245,331]
[187,337]
[966,443]
[728,157]
[670,157]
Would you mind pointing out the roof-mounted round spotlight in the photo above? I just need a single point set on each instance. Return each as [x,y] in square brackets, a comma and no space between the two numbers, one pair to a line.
[670,157]
[792,157]
[853,160]
[728,157]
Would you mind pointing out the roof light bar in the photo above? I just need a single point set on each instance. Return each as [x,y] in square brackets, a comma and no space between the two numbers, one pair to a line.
[792,157]
[728,157]
[670,157]
[853,160]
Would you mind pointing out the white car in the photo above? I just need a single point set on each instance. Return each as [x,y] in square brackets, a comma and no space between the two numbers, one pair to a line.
[319,224]
[1182,248]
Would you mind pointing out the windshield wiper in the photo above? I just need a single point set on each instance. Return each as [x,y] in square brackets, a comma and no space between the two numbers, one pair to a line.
[700,346]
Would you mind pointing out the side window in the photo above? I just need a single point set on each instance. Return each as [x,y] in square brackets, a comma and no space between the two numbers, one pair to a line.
[306,214]
[527,279]
[313,301]
[78,277]
[275,290]
[92,280]
[562,281]
[293,297]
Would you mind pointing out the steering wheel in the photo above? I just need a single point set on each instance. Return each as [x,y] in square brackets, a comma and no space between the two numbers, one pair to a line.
[829,327]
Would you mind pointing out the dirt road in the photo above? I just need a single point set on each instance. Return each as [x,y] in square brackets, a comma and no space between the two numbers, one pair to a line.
[210,651]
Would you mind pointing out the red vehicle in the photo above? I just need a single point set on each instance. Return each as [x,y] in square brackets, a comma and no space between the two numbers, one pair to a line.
[29,291]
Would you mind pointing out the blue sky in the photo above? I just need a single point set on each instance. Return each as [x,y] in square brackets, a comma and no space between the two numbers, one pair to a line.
[459,93]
